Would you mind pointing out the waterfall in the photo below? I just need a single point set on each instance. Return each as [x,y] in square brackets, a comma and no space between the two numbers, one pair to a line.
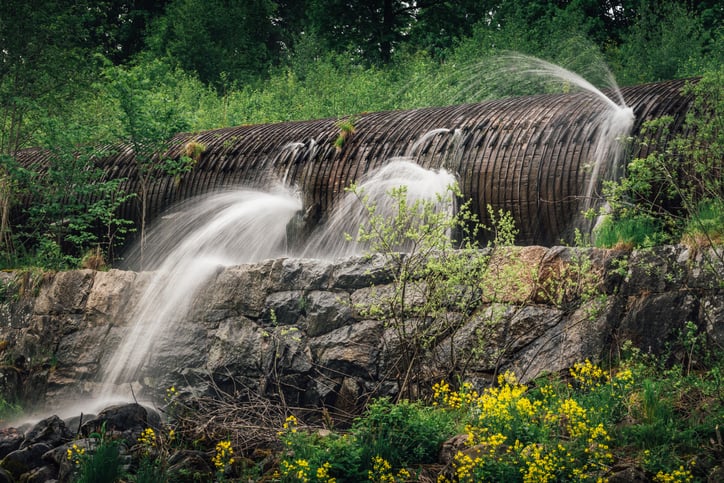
[185,249]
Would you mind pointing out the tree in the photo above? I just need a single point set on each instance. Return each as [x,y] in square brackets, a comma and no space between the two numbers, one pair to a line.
[374,30]
[150,116]
[44,62]
[663,38]
[211,37]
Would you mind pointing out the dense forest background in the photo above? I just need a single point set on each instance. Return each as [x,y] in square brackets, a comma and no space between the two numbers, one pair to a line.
[77,73]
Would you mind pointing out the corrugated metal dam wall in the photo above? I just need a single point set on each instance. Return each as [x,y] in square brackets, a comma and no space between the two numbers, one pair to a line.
[529,155]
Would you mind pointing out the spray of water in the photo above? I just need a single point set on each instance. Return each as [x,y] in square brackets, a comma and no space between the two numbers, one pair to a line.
[614,120]
[185,250]
[329,242]
[514,74]
[424,139]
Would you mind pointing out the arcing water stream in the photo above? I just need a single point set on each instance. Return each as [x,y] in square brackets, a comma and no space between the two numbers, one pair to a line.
[186,248]
[351,213]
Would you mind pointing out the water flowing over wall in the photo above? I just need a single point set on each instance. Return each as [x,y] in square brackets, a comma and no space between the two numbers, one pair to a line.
[530,155]
[293,326]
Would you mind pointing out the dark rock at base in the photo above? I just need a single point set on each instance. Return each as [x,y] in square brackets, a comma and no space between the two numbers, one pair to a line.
[188,464]
[25,459]
[51,431]
[627,474]
[451,447]
[39,475]
[10,440]
[74,423]
[128,419]
[5,476]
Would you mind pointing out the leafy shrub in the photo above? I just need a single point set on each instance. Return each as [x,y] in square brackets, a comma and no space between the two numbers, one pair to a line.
[676,192]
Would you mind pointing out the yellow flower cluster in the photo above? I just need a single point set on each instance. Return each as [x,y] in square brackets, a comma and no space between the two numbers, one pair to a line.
[301,471]
[381,472]
[444,396]
[677,476]
[548,438]
[147,438]
[588,375]
[224,457]
[170,394]
[75,454]
[323,473]
[542,466]
[624,378]
[297,469]
[465,467]
[291,424]
[500,407]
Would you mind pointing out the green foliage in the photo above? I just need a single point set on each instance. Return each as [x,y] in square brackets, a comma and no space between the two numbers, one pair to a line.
[214,37]
[403,435]
[627,233]
[665,38]
[86,70]
[150,472]
[102,462]
[8,409]
[346,129]
[675,192]
[105,465]
[150,117]
[572,427]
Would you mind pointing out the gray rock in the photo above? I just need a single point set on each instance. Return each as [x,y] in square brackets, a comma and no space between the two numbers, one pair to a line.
[10,439]
[127,419]
[326,311]
[305,274]
[6,476]
[39,475]
[51,431]
[66,292]
[361,271]
[284,308]
[25,459]
[652,320]
[711,314]
[322,340]
[350,350]
[238,347]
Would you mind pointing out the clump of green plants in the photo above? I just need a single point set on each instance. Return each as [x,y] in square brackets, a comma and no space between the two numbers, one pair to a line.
[676,192]
[191,154]
[404,436]
[8,409]
[100,462]
[628,232]
[346,129]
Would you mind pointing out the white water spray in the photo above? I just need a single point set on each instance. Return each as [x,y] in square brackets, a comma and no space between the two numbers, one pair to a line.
[186,249]
[424,139]
[329,242]
[615,119]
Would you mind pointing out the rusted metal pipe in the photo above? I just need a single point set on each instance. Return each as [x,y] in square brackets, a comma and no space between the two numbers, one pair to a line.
[527,155]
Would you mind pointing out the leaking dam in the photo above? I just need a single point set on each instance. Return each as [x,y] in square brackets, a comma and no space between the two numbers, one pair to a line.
[530,155]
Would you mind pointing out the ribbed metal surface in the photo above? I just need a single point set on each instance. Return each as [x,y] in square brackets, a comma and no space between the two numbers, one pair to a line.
[524,154]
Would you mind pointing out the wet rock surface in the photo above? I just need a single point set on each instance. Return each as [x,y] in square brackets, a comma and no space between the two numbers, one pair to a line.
[282,325]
